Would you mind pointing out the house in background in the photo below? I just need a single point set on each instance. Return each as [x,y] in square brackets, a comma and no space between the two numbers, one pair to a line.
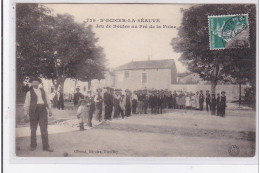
[157,74]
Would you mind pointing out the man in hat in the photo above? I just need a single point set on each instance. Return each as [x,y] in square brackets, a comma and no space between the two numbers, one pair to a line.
[208,107]
[222,104]
[90,97]
[201,100]
[111,101]
[108,101]
[60,103]
[160,102]
[77,96]
[35,108]
[116,103]
[218,104]
[99,104]
[151,102]
[128,104]
[134,102]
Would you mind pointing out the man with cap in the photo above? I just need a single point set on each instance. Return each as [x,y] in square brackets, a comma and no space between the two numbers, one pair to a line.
[90,97]
[77,97]
[218,104]
[35,108]
[201,100]
[111,101]
[116,103]
[128,104]
[222,104]
[134,102]
[208,107]
[99,104]
[108,103]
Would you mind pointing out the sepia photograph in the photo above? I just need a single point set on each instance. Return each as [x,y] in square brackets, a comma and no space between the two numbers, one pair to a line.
[135,80]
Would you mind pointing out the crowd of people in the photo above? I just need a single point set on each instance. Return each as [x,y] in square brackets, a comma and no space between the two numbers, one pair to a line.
[115,103]
[121,104]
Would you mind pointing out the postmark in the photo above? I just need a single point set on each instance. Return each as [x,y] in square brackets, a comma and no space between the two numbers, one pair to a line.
[233,150]
[228,31]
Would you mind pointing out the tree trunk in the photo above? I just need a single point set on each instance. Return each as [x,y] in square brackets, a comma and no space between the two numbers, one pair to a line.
[239,101]
[214,79]
[89,84]
[213,87]
[76,81]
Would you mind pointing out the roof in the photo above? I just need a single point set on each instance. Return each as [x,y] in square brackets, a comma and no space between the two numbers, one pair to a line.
[149,64]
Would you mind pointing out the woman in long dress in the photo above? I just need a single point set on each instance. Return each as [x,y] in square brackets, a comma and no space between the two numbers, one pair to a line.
[192,100]
[187,101]
[197,98]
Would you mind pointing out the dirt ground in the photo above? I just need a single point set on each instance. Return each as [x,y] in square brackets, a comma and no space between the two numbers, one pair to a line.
[176,133]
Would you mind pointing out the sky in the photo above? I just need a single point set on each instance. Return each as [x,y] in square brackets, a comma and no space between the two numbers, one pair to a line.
[123,45]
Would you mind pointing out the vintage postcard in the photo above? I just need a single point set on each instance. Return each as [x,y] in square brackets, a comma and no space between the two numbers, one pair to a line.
[135,80]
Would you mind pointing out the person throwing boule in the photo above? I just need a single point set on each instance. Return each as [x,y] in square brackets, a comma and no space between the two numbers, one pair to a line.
[35,109]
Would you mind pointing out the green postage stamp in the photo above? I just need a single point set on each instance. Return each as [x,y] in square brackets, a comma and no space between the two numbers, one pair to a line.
[228,31]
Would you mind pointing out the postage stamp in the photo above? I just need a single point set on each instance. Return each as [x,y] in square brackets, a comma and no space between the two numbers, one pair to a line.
[229,31]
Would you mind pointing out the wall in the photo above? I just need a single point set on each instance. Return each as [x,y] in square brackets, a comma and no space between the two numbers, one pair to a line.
[232,91]
[158,79]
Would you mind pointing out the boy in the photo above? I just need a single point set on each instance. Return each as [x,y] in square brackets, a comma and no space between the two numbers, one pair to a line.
[82,113]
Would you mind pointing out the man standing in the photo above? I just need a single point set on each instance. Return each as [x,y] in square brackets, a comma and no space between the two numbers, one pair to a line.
[223,104]
[60,99]
[145,103]
[160,98]
[128,103]
[35,108]
[116,103]
[218,104]
[213,104]
[151,102]
[77,97]
[134,102]
[201,100]
[208,101]
[108,101]
[90,97]
[99,104]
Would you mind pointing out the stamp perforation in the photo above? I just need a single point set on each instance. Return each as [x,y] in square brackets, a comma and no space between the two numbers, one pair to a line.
[229,15]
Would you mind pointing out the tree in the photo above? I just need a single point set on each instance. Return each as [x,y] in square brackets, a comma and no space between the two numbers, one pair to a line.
[215,65]
[58,48]
[28,30]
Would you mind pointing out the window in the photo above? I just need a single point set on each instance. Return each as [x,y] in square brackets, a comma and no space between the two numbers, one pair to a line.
[127,74]
[84,88]
[144,77]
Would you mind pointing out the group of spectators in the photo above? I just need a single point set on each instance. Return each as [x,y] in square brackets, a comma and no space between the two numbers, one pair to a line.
[120,104]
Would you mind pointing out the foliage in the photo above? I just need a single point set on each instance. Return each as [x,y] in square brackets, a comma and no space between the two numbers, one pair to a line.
[215,65]
[56,47]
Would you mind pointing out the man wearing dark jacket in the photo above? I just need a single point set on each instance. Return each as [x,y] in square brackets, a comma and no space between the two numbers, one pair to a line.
[201,100]
[107,103]
[99,104]
[77,97]
[218,104]
[208,101]
[223,104]
[91,99]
